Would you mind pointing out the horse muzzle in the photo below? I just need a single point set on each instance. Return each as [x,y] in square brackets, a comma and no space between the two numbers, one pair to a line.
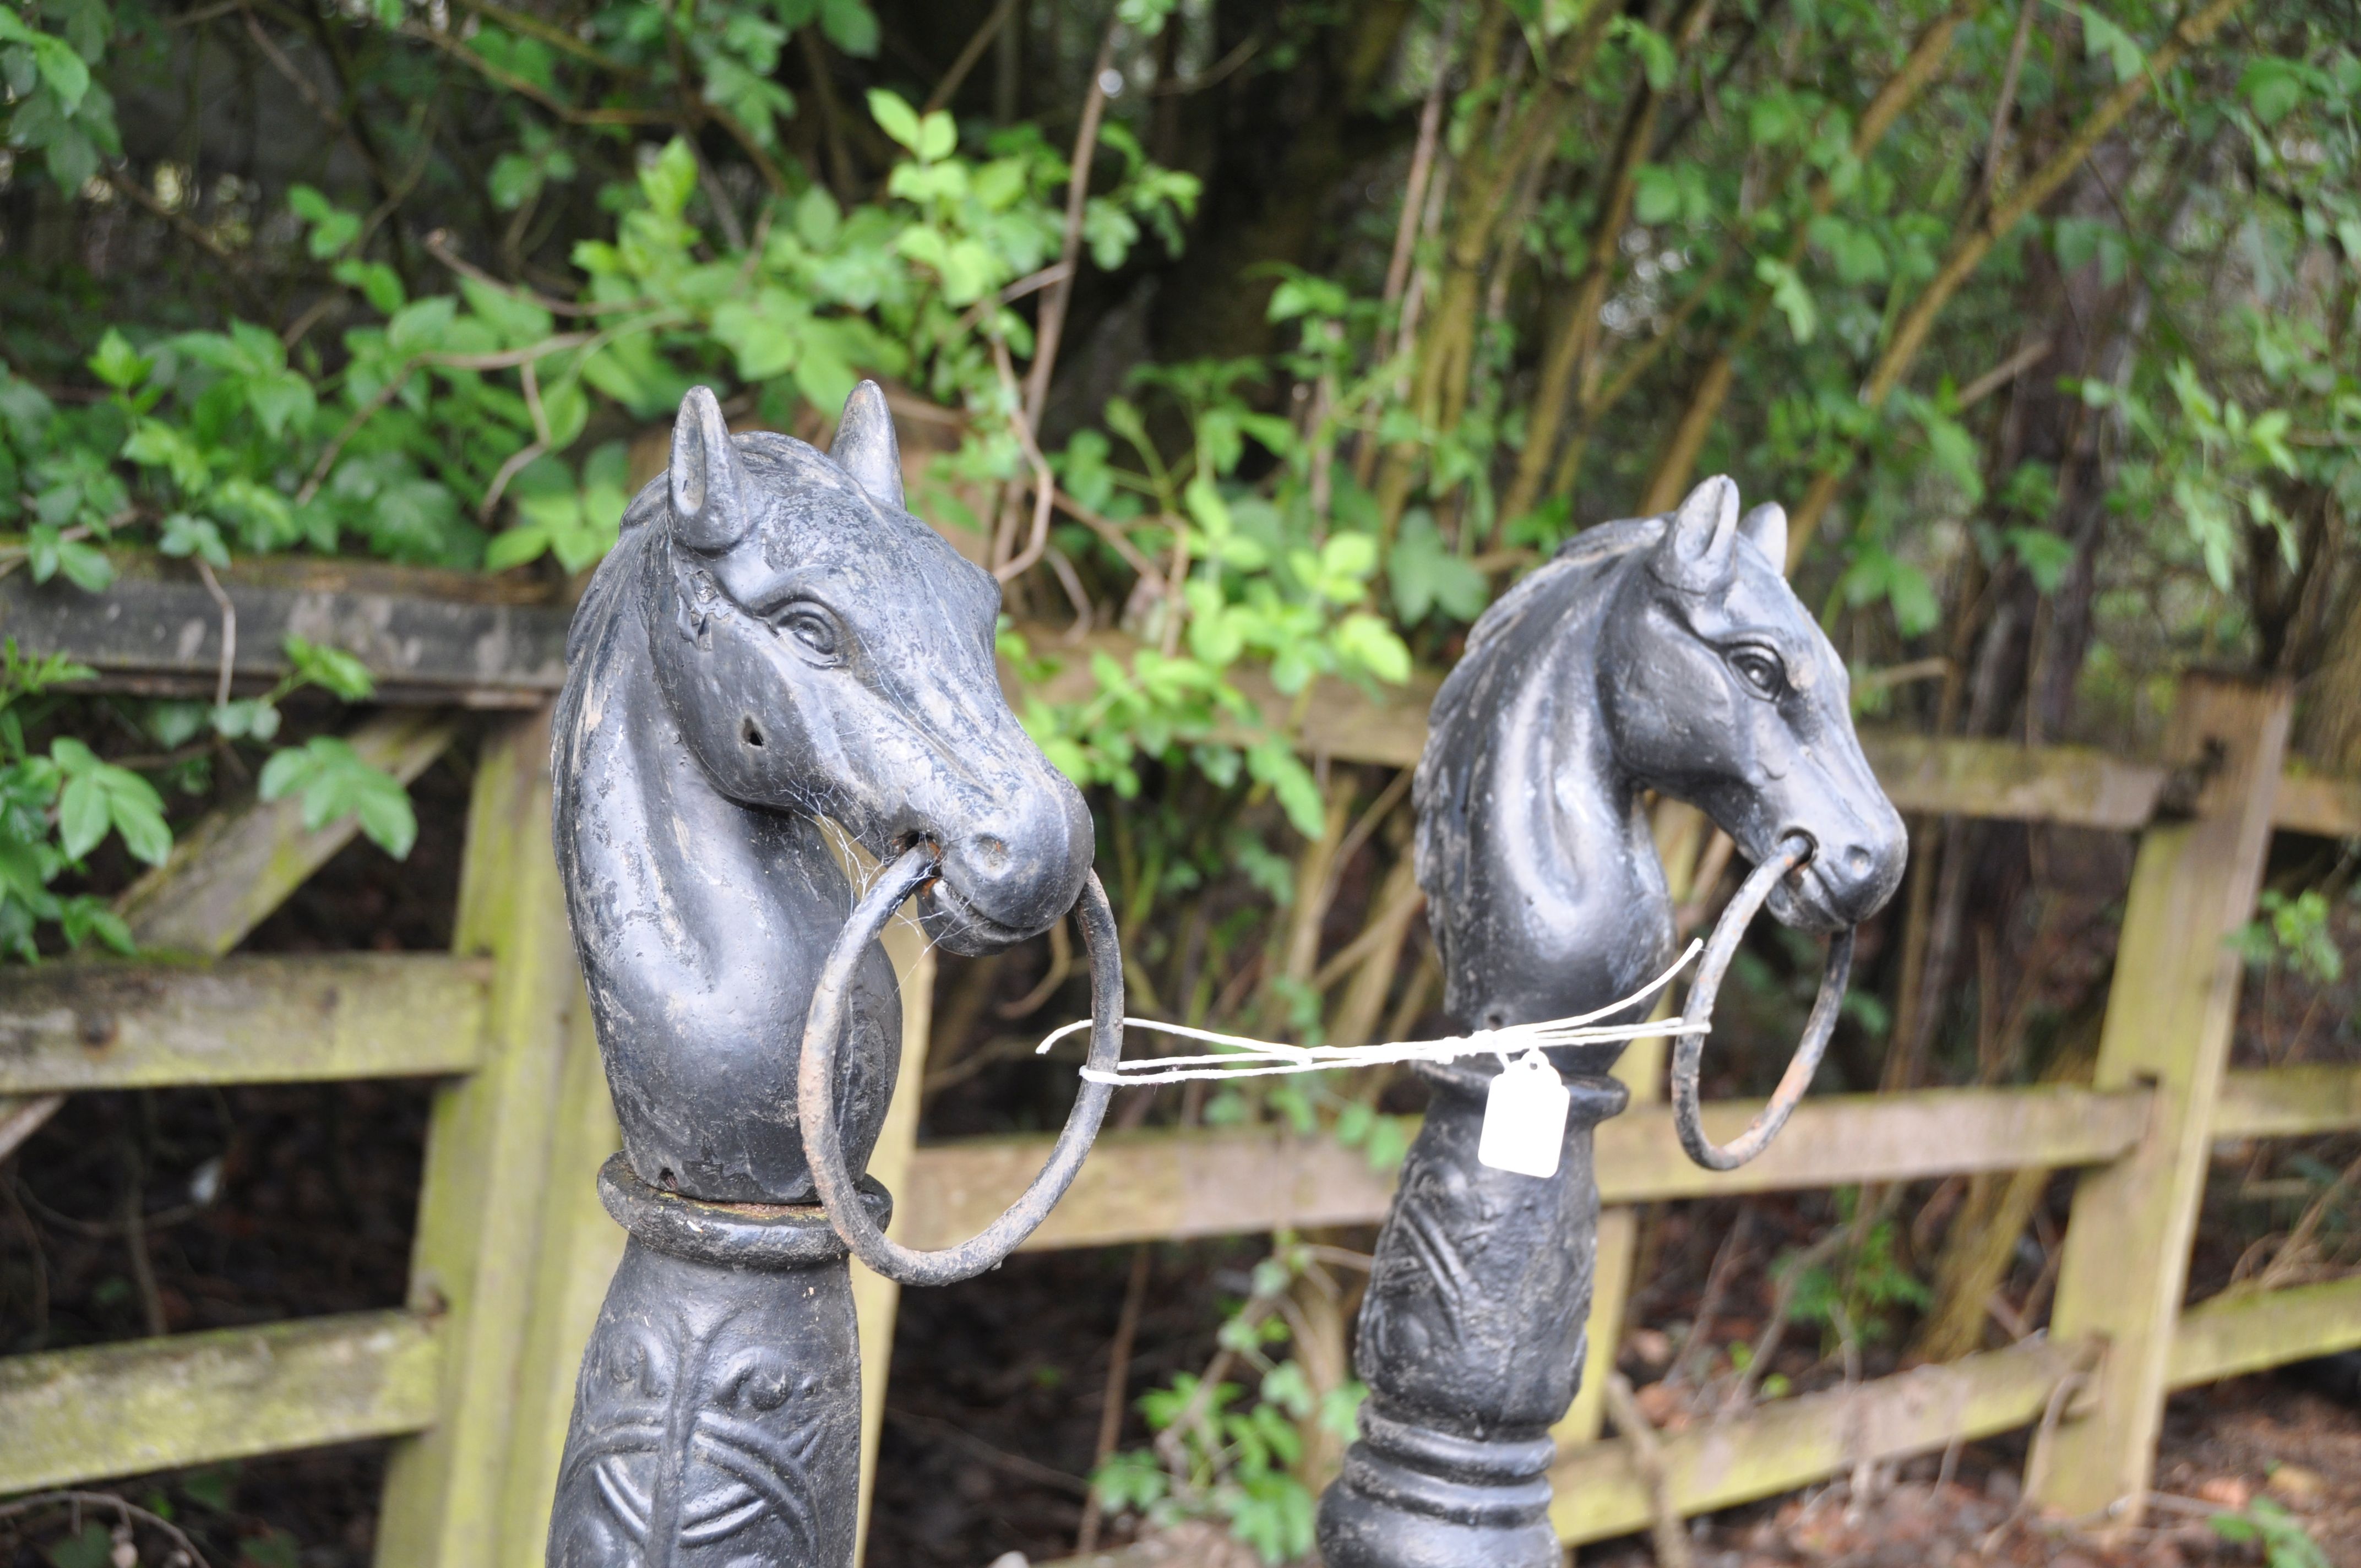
[1012,875]
[1845,880]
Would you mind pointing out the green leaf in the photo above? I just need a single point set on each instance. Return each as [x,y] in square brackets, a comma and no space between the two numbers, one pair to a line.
[331,669]
[1274,762]
[1789,294]
[850,26]
[1212,513]
[895,117]
[2044,556]
[1370,642]
[380,285]
[670,179]
[1654,50]
[336,783]
[1426,574]
[117,363]
[817,218]
[141,824]
[185,536]
[1352,555]
[1855,251]
[515,180]
[2101,35]
[332,228]
[762,332]
[422,325]
[1877,573]
[246,719]
[938,137]
[1656,194]
[85,916]
[517,319]
[515,547]
[66,72]
[81,816]
[285,772]
[86,565]
[1305,294]
[567,409]
[2272,86]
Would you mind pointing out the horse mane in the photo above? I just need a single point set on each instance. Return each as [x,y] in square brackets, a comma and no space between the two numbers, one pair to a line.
[619,569]
[1508,633]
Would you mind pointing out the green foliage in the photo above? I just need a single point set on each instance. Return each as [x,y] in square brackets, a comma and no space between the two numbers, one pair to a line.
[1262,585]
[1855,1295]
[60,110]
[2284,1540]
[2293,933]
[1220,1454]
[336,783]
[55,807]
[59,804]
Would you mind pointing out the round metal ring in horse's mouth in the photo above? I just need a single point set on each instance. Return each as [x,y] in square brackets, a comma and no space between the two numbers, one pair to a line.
[1688,1052]
[816,1084]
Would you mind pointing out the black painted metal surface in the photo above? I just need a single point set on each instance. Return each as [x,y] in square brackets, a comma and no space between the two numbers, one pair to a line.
[775,643]
[1662,653]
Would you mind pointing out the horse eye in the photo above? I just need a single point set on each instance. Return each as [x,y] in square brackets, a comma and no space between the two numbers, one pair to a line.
[813,629]
[1759,669]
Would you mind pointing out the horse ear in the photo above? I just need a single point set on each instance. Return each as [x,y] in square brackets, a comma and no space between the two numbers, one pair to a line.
[864,446]
[1767,526]
[709,483]
[1696,552]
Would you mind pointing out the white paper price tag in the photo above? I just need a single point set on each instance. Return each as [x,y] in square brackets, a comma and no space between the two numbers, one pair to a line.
[1524,1118]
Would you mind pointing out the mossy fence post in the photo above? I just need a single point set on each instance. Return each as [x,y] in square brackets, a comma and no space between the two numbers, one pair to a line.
[513,1252]
[2170,1012]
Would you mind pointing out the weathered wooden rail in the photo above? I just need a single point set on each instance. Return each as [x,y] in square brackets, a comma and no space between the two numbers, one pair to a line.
[475,1373]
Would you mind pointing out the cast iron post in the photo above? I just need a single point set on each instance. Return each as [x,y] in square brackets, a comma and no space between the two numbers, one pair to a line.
[774,641]
[1660,654]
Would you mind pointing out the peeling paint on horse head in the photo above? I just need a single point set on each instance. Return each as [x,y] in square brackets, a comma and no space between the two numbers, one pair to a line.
[775,645]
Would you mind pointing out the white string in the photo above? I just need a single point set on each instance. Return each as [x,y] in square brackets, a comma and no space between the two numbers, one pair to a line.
[1243,1058]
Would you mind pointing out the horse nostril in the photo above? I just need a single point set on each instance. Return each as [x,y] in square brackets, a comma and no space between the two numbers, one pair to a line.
[749,732]
[989,855]
[1859,860]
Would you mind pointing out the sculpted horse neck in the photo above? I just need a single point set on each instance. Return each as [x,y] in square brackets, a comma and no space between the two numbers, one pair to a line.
[1662,654]
[773,643]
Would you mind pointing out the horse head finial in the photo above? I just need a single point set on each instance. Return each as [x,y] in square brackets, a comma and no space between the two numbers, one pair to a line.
[1695,553]
[864,446]
[708,481]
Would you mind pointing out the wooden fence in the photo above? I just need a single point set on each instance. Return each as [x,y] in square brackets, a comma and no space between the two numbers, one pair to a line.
[474,1374]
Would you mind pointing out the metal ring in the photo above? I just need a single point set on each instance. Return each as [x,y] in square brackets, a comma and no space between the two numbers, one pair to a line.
[1688,1052]
[816,1076]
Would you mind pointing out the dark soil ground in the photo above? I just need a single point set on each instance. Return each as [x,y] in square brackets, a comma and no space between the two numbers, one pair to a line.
[2275,1440]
